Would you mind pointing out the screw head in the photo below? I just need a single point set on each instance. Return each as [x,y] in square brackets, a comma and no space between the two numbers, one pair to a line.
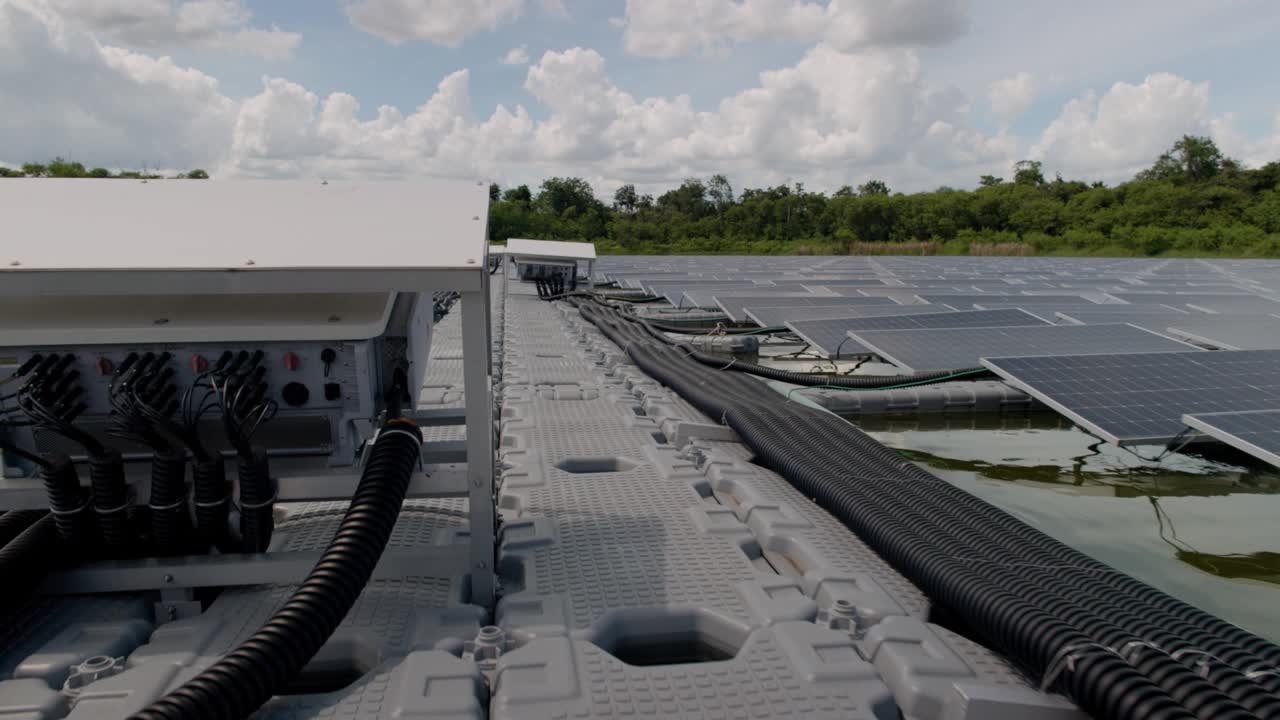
[250,262]
[168,578]
[15,263]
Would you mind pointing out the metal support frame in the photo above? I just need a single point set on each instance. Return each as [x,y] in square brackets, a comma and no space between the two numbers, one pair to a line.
[478,389]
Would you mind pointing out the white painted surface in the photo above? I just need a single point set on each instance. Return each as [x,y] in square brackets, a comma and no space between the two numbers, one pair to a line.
[551,249]
[56,224]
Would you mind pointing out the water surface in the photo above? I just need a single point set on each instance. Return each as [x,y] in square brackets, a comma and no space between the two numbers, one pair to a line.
[1199,525]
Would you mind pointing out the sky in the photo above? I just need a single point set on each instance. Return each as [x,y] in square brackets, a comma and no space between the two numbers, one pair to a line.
[917,93]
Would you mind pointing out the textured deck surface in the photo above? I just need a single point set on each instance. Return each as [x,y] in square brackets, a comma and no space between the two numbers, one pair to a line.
[648,567]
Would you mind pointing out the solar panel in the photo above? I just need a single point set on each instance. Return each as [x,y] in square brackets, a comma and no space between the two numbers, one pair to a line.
[948,349]
[735,306]
[1138,398]
[1256,432]
[1156,321]
[707,298]
[831,336]
[1238,305]
[778,316]
[1009,300]
[1229,332]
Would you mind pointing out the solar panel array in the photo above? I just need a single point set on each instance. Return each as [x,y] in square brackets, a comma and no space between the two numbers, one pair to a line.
[951,349]
[1112,361]
[1140,398]
[1255,432]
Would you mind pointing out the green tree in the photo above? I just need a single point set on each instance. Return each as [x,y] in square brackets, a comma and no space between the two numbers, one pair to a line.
[99,172]
[1193,158]
[1028,172]
[34,170]
[720,192]
[626,199]
[495,192]
[560,195]
[873,187]
[989,181]
[520,194]
[197,174]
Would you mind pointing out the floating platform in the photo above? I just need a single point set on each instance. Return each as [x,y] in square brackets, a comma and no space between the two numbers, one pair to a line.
[648,569]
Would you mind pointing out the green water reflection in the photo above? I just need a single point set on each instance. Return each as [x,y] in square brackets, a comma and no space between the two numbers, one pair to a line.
[1200,524]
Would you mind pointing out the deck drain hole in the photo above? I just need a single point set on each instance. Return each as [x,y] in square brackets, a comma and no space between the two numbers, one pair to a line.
[589,465]
[662,637]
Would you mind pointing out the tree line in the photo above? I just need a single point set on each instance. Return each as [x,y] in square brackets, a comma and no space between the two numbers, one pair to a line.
[1193,201]
[60,168]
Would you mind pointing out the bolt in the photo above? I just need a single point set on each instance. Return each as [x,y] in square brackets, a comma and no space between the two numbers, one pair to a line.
[335,318]
[482,565]
[15,263]
[171,611]
[475,217]
[168,578]
[161,321]
[471,261]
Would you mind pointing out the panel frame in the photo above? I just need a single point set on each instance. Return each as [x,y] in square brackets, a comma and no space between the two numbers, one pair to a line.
[1203,422]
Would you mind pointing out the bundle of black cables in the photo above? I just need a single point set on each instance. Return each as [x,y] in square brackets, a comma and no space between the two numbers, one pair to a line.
[51,398]
[143,399]
[245,405]
[1116,646]
[261,666]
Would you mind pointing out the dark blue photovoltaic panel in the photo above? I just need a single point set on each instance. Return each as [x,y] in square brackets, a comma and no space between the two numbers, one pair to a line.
[1007,300]
[1137,398]
[735,305]
[832,335]
[779,316]
[953,349]
[1228,332]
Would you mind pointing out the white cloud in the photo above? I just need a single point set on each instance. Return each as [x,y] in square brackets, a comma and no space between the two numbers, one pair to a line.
[443,22]
[1011,96]
[213,25]
[1112,137]
[1252,152]
[669,28]
[833,117]
[516,56]
[104,105]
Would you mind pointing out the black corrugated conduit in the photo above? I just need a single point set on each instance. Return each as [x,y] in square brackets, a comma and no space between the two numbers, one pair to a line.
[68,502]
[212,502]
[111,500]
[26,558]
[257,498]
[14,522]
[1116,646]
[170,523]
[241,681]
